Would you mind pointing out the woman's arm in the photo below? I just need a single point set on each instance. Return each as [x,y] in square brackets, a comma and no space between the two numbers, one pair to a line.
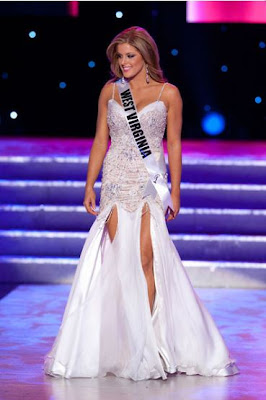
[98,150]
[174,127]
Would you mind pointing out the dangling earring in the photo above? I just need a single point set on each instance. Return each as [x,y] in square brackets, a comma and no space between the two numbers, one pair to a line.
[147,74]
[123,80]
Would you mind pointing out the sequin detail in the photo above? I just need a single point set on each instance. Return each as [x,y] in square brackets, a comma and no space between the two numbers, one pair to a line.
[124,175]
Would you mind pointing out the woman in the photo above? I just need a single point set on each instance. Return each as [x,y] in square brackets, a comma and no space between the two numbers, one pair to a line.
[132,310]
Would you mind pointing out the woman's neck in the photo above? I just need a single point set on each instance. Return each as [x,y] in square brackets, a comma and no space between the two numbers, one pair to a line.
[138,82]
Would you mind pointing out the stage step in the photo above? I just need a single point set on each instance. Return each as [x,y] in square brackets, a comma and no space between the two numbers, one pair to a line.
[195,169]
[220,232]
[190,246]
[75,218]
[202,273]
[192,194]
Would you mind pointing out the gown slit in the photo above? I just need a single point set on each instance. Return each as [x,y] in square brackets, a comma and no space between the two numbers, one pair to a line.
[108,221]
[145,211]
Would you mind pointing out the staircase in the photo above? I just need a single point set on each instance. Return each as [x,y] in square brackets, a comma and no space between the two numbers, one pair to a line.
[220,232]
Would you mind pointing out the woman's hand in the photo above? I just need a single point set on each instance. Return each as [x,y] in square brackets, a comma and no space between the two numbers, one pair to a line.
[176,207]
[89,201]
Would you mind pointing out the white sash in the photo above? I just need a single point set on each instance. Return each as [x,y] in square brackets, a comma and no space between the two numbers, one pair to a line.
[157,170]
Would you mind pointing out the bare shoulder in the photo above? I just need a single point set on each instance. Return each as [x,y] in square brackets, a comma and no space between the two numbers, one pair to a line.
[172,92]
[172,97]
[106,91]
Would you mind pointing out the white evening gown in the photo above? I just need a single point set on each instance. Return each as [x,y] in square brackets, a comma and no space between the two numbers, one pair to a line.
[107,326]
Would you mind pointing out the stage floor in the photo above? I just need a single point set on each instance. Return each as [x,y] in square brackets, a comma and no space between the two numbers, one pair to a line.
[30,316]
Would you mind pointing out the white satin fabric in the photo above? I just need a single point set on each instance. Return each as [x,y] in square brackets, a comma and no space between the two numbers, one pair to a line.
[107,325]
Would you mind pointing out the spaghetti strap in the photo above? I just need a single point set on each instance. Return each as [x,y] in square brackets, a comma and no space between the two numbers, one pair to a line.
[113,90]
[161,91]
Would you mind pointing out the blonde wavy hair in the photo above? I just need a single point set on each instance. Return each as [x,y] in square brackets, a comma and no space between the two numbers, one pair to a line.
[140,39]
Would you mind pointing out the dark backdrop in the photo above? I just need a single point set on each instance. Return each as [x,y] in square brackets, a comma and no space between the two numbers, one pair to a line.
[31,69]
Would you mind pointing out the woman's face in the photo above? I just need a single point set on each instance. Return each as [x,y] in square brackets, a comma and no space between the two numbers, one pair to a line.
[130,60]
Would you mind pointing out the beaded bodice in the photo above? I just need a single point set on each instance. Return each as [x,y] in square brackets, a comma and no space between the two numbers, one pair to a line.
[124,173]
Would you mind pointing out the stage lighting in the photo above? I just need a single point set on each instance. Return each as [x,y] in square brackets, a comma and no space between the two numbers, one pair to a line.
[213,123]
[13,115]
[223,28]
[155,13]
[258,99]
[4,75]
[62,85]
[119,14]
[174,52]
[207,107]
[32,34]
[91,64]
[262,44]
[224,68]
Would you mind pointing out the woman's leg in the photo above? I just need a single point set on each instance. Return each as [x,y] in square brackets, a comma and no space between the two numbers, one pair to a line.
[146,252]
[112,223]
